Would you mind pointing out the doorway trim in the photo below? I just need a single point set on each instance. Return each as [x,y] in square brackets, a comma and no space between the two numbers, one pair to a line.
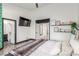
[45,20]
[15,29]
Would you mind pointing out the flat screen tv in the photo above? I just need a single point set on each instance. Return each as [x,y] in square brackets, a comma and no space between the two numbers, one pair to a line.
[24,22]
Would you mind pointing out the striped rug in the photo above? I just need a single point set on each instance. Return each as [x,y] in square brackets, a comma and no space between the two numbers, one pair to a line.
[27,49]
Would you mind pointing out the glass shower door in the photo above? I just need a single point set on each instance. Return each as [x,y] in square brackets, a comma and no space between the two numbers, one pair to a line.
[1,41]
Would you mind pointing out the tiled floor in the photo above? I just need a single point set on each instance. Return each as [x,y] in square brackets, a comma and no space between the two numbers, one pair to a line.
[8,47]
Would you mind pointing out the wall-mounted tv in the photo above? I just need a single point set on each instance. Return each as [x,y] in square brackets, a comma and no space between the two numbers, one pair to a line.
[24,21]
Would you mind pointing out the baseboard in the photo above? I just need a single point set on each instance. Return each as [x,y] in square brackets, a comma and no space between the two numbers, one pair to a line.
[24,41]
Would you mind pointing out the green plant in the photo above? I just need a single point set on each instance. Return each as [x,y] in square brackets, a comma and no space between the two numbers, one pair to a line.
[73,27]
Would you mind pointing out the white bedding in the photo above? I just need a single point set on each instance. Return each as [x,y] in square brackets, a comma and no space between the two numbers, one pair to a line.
[49,48]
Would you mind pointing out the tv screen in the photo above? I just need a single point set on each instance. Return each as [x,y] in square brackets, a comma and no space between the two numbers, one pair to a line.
[24,21]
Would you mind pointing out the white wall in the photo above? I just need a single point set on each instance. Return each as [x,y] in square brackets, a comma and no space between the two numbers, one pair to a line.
[13,12]
[56,12]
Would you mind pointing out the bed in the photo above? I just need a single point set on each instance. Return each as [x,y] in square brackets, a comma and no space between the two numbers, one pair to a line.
[43,48]
[49,48]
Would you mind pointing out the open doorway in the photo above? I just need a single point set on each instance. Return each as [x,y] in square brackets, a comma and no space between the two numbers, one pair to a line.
[42,29]
[9,31]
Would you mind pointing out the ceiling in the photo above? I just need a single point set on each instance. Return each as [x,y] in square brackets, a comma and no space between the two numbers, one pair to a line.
[32,6]
[29,6]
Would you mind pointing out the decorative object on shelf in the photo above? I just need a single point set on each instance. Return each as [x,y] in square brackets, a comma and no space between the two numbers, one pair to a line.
[56,29]
[64,30]
[59,26]
[69,22]
[62,23]
[52,22]
[57,22]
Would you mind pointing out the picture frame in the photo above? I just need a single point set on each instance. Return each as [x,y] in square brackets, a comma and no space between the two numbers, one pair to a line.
[56,29]
[57,22]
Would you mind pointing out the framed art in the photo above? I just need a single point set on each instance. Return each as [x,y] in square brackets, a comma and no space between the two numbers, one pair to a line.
[56,29]
[57,22]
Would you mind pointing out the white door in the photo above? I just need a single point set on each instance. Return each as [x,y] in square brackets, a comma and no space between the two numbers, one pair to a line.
[42,31]
[9,29]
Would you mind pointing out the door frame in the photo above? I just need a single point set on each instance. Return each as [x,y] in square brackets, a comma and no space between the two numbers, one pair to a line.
[14,26]
[45,22]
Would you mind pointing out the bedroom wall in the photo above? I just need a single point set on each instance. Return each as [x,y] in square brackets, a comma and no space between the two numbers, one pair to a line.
[64,12]
[54,12]
[13,12]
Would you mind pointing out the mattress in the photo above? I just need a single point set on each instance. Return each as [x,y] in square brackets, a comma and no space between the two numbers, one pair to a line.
[49,48]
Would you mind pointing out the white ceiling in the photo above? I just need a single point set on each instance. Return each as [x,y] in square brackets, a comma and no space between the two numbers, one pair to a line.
[32,6]
[29,6]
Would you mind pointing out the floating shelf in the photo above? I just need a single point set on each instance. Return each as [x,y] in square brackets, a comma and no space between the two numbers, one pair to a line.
[64,32]
[62,25]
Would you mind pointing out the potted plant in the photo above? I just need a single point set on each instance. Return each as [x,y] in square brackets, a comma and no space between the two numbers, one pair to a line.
[73,27]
